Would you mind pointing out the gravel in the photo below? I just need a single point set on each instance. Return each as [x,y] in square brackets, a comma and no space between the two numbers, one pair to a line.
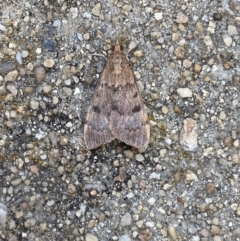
[185,186]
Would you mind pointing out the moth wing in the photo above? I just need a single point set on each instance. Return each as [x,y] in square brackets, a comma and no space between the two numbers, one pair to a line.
[96,128]
[129,120]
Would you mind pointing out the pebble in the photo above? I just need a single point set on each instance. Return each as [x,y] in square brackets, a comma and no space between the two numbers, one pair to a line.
[86,36]
[179,52]
[67,91]
[16,181]
[191,176]
[158,16]
[19,58]
[57,23]
[145,235]
[63,141]
[204,232]
[34,104]
[124,237]
[47,89]
[139,157]
[30,222]
[97,10]
[11,76]
[126,219]
[172,233]
[199,27]
[238,211]
[222,115]
[48,63]
[49,45]
[232,30]
[217,238]
[127,7]
[90,237]
[189,135]
[40,74]
[53,137]
[6,67]
[3,215]
[55,100]
[227,39]
[12,89]
[24,54]
[128,154]
[210,188]
[208,41]
[187,63]
[182,18]
[164,110]
[214,230]
[50,203]
[236,232]
[151,200]
[184,92]
[34,169]
[197,68]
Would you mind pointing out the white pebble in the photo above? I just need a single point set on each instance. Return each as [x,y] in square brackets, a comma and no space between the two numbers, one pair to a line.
[227,39]
[184,92]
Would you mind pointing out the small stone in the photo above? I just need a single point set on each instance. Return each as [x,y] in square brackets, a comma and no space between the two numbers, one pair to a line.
[215,221]
[124,237]
[67,91]
[47,89]
[30,222]
[145,235]
[187,63]
[158,16]
[179,52]
[40,74]
[50,203]
[63,141]
[126,219]
[235,158]
[3,216]
[228,142]
[208,41]
[97,10]
[164,110]
[172,233]
[151,200]
[232,30]
[127,7]
[24,54]
[128,154]
[204,232]
[191,176]
[217,238]
[222,115]
[34,104]
[139,158]
[71,188]
[55,100]
[182,18]
[90,237]
[138,53]
[6,67]
[53,137]
[34,169]
[197,68]
[214,230]
[175,37]
[122,175]
[56,23]
[188,137]
[48,63]
[11,76]
[184,92]
[199,27]
[210,188]
[12,89]
[49,45]
[86,36]
[227,39]
[236,232]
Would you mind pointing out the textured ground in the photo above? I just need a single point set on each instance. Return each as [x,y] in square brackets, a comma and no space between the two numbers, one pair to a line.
[185,55]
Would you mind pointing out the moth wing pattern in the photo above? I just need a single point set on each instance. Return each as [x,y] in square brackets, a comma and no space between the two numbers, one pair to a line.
[117,109]
[129,120]
[96,128]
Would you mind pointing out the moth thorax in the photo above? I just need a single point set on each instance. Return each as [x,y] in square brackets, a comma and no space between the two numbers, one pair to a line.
[117,68]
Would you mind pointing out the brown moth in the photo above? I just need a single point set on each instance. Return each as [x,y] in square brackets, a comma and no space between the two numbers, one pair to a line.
[117,110]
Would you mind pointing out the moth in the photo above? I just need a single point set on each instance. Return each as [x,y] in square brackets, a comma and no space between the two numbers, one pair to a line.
[117,110]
